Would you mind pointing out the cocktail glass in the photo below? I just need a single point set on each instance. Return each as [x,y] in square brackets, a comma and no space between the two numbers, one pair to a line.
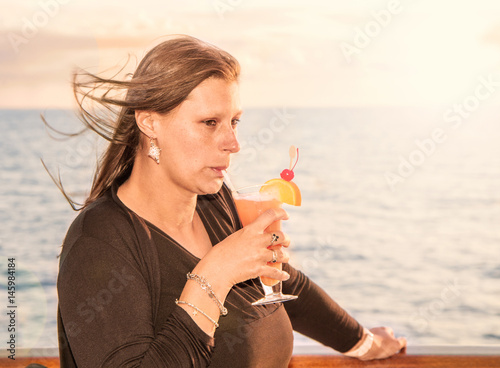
[251,203]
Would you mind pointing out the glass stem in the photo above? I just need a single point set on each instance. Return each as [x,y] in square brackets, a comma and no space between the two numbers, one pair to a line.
[272,290]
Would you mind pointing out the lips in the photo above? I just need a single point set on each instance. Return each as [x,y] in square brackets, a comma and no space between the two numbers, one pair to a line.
[219,170]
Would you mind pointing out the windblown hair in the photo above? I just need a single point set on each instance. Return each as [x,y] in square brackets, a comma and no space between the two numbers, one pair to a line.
[162,81]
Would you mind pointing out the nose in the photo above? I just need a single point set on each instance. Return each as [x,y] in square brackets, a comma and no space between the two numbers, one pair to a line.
[230,140]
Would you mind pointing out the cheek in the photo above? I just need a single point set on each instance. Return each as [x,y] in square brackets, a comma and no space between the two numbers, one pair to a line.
[190,152]
[188,148]
[195,142]
[178,142]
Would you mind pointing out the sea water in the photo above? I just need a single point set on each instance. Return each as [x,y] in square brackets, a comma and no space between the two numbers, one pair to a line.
[399,220]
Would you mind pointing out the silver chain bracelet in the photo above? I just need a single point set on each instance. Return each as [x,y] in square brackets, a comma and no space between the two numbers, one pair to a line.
[208,288]
[196,310]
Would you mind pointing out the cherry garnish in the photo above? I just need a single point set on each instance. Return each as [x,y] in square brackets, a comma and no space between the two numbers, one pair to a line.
[288,174]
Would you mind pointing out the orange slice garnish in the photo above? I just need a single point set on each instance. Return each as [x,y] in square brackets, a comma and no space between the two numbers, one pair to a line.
[285,191]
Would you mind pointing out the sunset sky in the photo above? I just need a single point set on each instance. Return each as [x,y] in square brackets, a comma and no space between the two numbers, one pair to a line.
[293,53]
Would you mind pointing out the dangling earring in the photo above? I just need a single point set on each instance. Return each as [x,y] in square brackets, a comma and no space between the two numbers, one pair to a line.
[154,151]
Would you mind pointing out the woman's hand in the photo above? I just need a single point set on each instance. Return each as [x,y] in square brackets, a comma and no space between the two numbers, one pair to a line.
[385,344]
[244,254]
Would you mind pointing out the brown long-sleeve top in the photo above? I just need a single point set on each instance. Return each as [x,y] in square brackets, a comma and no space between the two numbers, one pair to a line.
[118,279]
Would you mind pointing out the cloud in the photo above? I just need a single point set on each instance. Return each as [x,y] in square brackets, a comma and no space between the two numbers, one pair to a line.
[290,51]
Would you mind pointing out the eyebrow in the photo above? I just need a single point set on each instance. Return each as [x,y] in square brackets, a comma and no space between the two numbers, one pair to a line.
[215,113]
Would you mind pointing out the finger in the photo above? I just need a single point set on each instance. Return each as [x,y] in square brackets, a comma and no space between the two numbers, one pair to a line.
[382,331]
[286,243]
[402,342]
[275,273]
[282,256]
[389,331]
[396,346]
[283,239]
[270,216]
[274,255]
[273,238]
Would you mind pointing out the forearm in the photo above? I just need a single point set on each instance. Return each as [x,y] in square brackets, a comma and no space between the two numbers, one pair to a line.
[178,343]
[317,315]
[240,257]
[111,315]
[127,339]
[204,300]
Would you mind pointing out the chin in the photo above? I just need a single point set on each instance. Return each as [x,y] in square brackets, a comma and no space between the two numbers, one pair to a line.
[212,187]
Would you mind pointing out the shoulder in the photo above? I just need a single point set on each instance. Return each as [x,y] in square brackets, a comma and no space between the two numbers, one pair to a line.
[99,219]
[105,222]
[105,240]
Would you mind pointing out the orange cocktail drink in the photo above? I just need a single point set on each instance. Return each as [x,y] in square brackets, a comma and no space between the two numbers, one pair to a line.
[251,205]
[251,202]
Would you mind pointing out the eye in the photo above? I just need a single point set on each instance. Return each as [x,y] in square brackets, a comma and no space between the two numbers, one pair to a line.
[210,122]
[235,122]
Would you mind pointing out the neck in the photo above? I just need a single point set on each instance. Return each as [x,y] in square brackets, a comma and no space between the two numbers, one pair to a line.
[157,199]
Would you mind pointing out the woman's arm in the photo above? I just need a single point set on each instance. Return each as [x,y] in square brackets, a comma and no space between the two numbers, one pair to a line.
[107,312]
[317,315]
[241,256]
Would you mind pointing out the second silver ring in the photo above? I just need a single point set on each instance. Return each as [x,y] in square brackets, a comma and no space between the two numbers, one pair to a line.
[275,256]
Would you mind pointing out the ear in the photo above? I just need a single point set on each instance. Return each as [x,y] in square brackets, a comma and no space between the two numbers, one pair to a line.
[145,122]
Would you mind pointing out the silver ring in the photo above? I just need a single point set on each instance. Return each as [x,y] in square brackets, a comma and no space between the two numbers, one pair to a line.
[274,237]
[275,256]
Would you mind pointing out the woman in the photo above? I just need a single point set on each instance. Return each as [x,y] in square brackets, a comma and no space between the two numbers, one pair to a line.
[157,271]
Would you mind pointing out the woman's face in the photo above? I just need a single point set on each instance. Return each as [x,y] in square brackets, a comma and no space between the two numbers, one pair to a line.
[199,136]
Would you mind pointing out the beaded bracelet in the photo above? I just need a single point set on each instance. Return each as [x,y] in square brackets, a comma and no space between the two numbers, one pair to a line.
[208,288]
[196,310]
[365,346]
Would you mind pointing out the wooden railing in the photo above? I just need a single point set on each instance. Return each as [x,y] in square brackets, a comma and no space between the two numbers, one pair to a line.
[423,357]
[398,361]
[49,362]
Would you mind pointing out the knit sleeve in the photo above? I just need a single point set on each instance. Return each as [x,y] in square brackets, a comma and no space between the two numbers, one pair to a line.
[316,315]
[107,314]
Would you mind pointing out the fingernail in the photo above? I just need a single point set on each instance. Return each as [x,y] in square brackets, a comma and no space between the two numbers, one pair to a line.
[287,275]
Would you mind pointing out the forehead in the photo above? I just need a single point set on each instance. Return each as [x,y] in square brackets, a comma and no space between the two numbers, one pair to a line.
[214,94]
